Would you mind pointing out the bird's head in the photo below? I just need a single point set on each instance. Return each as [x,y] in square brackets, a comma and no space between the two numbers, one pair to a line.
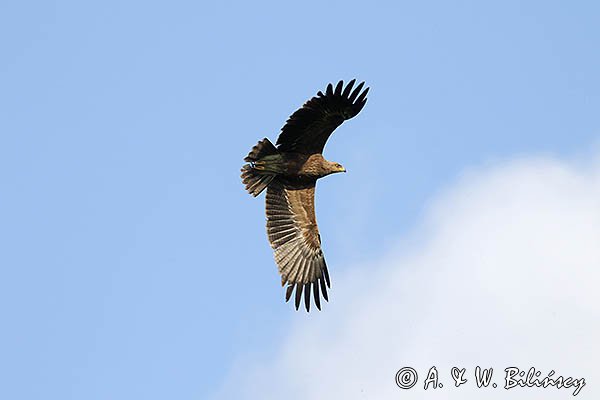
[336,167]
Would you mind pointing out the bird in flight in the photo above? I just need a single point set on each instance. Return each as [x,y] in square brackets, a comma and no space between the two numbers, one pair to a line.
[289,171]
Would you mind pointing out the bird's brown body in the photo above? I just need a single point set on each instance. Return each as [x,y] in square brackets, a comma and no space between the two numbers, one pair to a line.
[309,166]
[298,165]
[289,173]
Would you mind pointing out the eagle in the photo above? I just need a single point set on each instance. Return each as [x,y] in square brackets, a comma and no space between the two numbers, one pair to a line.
[289,171]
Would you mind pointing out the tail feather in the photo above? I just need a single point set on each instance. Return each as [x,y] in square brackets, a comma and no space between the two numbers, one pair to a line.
[262,148]
[257,175]
[255,182]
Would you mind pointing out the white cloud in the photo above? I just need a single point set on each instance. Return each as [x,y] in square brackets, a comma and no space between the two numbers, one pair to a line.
[504,272]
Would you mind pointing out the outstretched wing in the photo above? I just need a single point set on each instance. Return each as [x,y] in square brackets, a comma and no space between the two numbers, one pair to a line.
[307,130]
[294,236]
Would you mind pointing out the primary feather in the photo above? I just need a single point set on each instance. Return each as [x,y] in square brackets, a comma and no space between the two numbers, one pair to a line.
[307,130]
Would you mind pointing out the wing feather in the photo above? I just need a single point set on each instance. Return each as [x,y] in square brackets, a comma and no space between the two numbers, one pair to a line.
[307,295]
[307,129]
[294,236]
[316,295]
[299,288]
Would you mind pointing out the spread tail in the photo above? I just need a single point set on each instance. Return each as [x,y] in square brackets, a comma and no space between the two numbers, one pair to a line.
[262,148]
[262,169]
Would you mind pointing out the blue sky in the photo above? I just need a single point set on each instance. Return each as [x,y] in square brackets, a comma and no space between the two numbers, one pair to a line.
[133,263]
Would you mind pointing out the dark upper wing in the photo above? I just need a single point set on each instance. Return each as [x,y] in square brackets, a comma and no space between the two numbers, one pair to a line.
[307,130]
[294,236]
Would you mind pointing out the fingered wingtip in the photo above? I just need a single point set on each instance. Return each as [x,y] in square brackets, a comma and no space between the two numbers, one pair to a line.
[304,290]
